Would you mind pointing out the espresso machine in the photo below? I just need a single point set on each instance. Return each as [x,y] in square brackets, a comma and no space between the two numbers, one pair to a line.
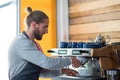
[87,71]
[82,51]
[98,61]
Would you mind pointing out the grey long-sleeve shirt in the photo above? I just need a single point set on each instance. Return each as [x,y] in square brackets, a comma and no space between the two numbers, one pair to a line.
[25,59]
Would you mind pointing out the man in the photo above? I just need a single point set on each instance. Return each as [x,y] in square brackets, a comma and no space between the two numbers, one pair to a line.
[26,58]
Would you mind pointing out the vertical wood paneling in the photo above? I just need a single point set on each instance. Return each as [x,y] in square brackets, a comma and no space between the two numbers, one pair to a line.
[91,17]
[95,18]
[108,9]
[72,2]
[93,5]
[106,26]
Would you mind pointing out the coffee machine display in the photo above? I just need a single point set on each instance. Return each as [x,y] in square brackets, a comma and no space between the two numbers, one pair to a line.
[70,52]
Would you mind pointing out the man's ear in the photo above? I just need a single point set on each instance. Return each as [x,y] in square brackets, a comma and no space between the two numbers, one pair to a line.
[34,24]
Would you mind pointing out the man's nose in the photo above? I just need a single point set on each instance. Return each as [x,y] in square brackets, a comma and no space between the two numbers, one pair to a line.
[46,31]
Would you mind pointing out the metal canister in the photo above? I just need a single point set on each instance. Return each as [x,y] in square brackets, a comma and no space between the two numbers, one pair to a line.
[113,74]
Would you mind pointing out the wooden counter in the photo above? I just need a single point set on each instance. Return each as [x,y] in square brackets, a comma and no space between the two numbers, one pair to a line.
[109,56]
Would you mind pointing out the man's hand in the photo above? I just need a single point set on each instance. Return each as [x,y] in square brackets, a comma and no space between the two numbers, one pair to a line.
[69,72]
[75,62]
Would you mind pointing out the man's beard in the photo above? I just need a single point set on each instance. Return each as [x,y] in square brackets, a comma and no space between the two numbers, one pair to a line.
[36,34]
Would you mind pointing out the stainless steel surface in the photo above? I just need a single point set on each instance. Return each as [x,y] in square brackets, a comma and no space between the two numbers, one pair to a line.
[81,77]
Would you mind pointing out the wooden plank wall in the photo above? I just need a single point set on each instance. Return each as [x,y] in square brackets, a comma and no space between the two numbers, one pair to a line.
[88,18]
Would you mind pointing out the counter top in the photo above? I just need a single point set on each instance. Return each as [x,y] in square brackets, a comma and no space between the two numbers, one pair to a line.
[80,77]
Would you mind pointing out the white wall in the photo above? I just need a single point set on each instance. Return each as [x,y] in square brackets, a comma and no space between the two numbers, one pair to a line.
[7,33]
[62,21]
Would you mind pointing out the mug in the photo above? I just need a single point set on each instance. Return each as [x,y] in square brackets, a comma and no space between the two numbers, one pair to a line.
[80,44]
[63,44]
[69,45]
[75,45]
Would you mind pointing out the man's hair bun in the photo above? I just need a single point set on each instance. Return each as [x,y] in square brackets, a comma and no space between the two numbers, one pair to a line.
[28,10]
